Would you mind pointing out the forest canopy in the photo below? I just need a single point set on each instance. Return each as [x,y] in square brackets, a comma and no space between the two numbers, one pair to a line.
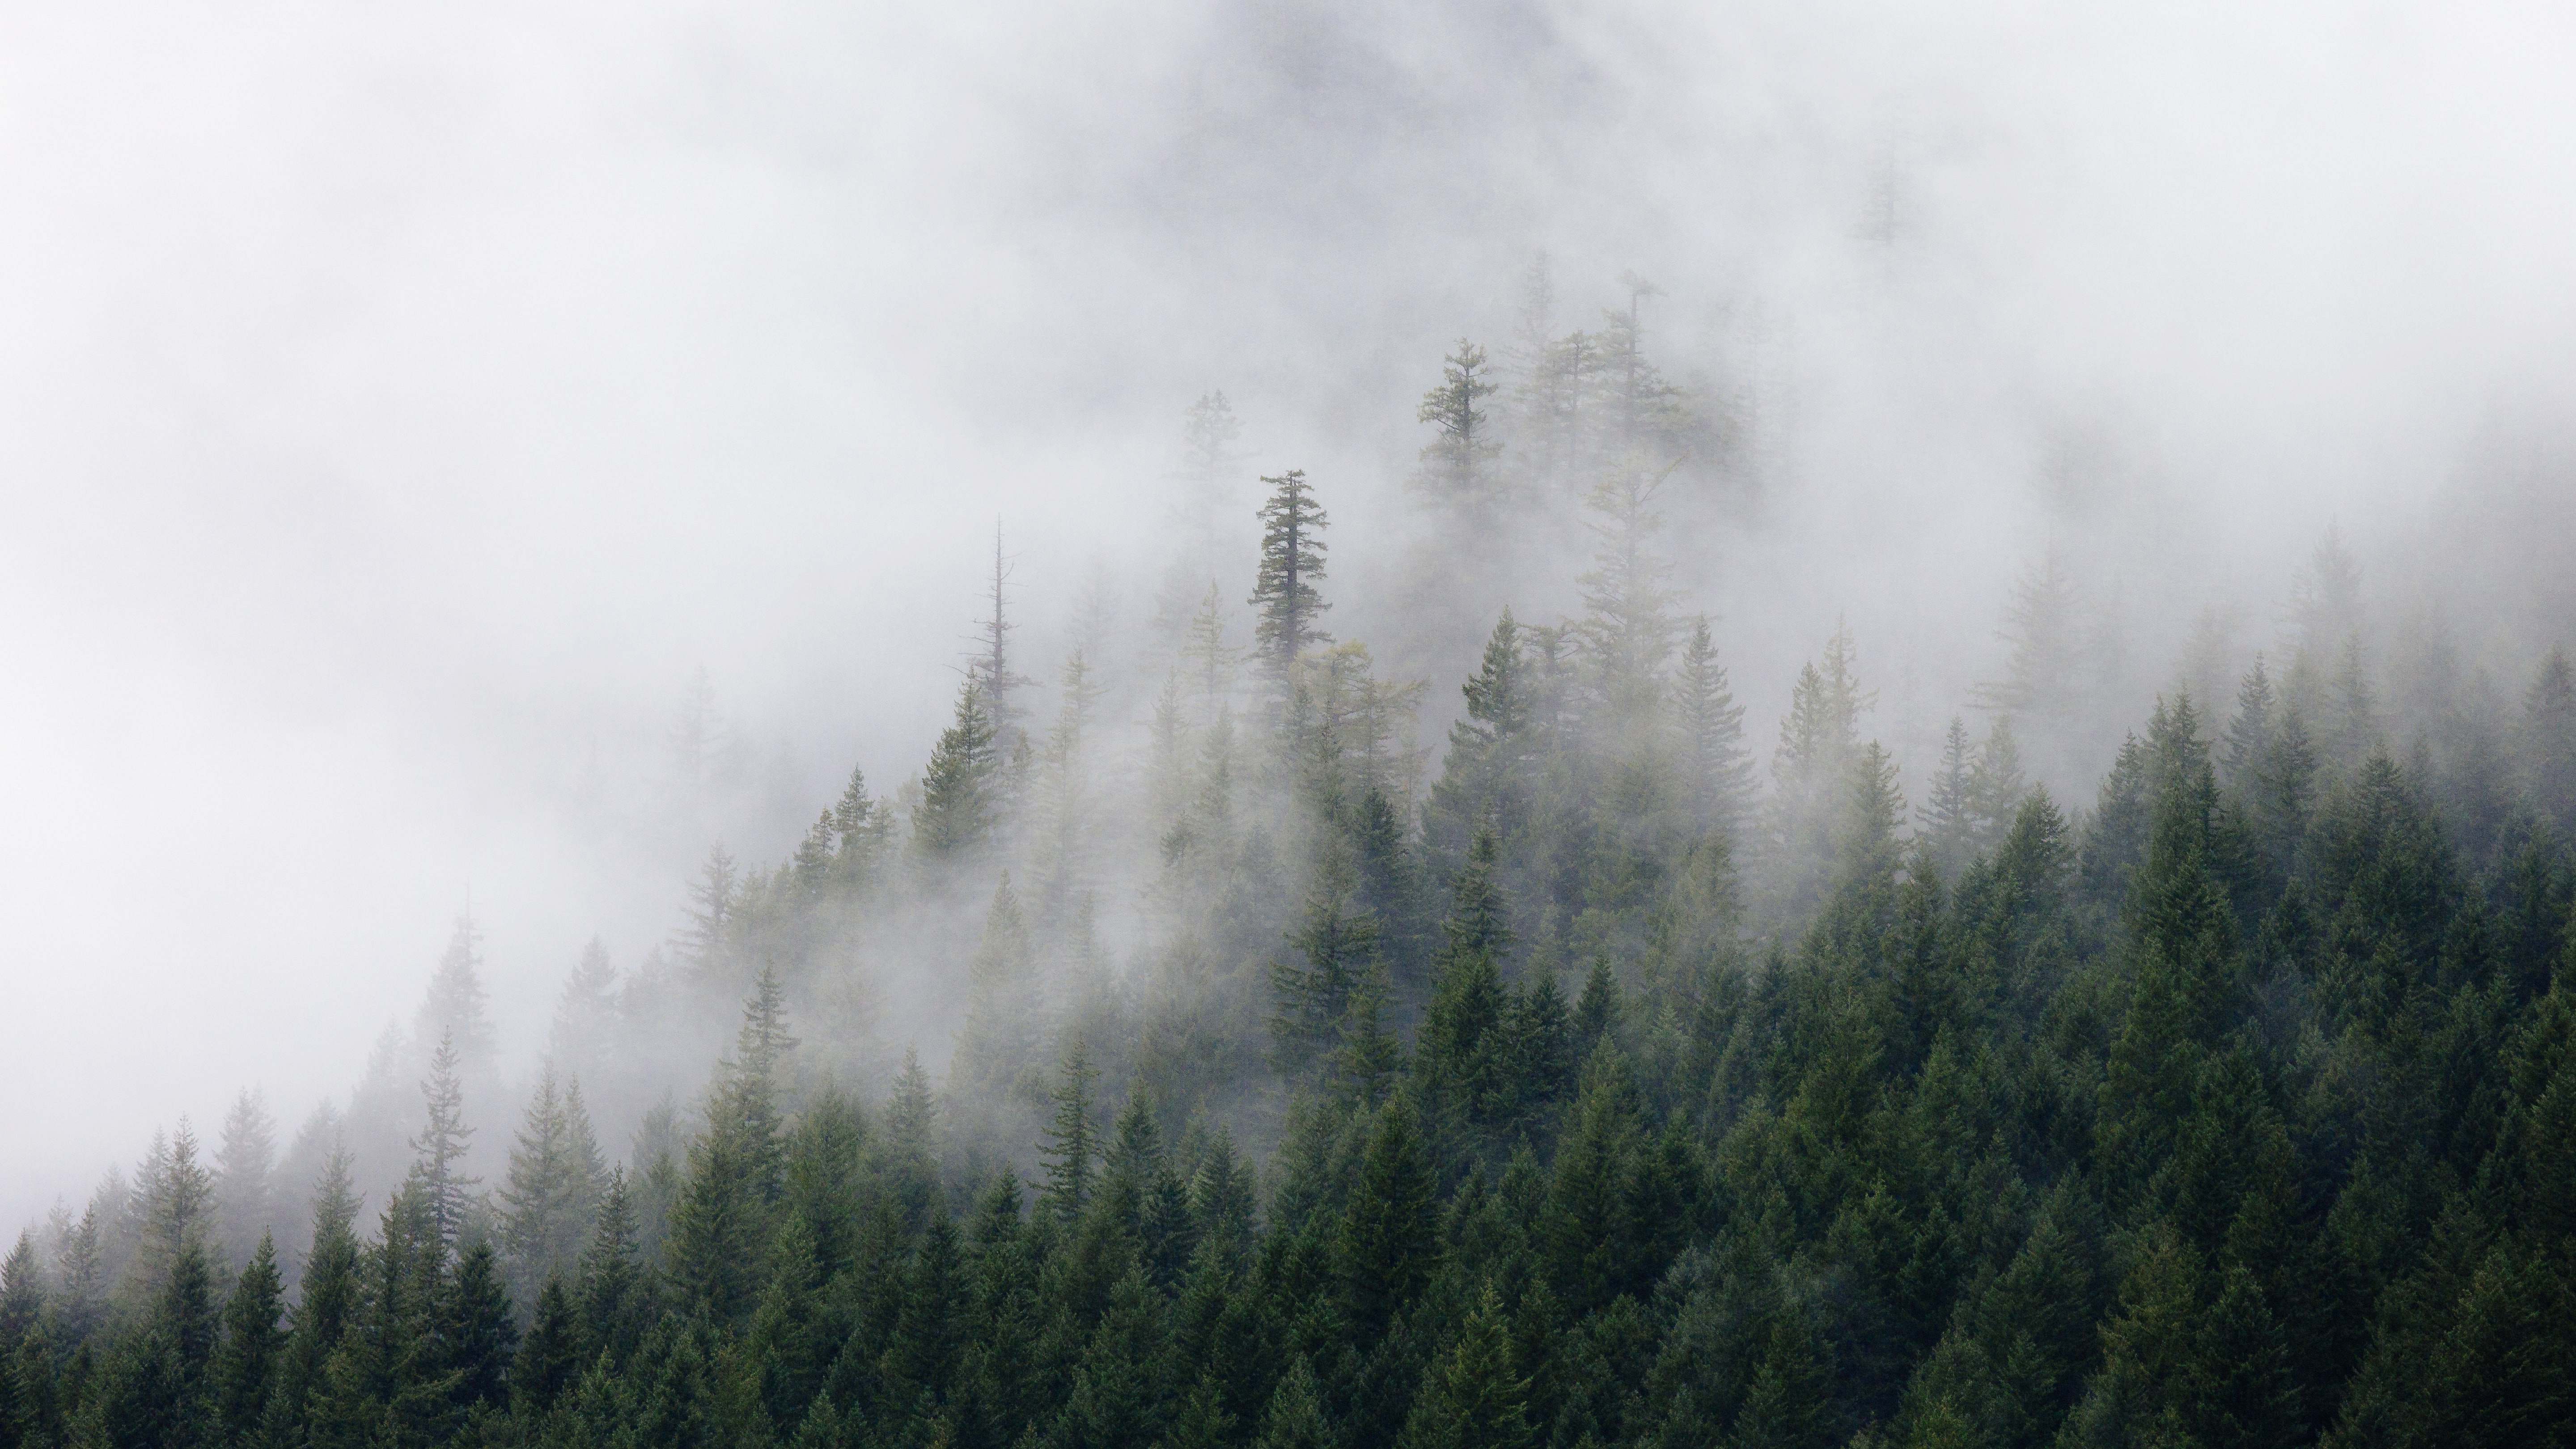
[1607,1073]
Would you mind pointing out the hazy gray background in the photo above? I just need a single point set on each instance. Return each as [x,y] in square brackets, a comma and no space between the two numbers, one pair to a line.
[397,404]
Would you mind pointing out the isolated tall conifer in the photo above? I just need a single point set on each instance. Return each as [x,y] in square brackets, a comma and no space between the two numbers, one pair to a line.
[445,1188]
[1458,468]
[1289,610]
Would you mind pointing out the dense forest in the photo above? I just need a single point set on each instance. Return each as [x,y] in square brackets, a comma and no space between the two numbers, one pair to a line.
[1601,1079]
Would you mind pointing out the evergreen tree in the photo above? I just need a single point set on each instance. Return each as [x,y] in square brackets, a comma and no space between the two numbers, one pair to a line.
[1295,1416]
[1462,1050]
[990,671]
[1289,610]
[1000,1037]
[327,1303]
[1072,1138]
[863,826]
[556,1175]
[1207,474]
[614,1291]
[478,1330]
[1458,468]
[457,1007]
[1712,728]
[254,1338]
[2249,735]
[245,1163]
[586,1014]
[550,1355]
[1389,1240]
[1996,788]
[1948,816]
[2549,742]
[1367,1056]
[2043,623]
[1474,1397]
[173,1212]
[1819,740]
[1485,779]
[1338,942]
[705,943]
[1066,805]
[1628,625]
[961,789]
[2187,978]
[2356,705]
[736,1172]
[446,1190]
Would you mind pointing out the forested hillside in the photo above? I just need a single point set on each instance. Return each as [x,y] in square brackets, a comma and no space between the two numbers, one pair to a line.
[1617,1072]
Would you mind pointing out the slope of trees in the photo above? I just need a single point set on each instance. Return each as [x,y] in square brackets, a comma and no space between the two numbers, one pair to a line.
[1590,1085]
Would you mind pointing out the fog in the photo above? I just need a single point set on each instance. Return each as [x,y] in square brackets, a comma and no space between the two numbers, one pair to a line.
[401,406]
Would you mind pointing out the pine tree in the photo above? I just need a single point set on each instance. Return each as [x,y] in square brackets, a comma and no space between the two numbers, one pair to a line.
[2285,786]
[1066,805]
[327,1303]
[2187,979]
[1996,789]
[1000,1036]
[172,1211]
[586,1014]
[1948,816]
[1290,610]
[2356,706]
[2043,624]
[550,1355]
[2325,596]
[1458,468]
[1207,474]
[613,1290]
[2549,742]
[1819,740]
[1638,415]
[254,1338]
[556,1175]
[1597,1011]
[736,1175]
[478,1330]
[1389,1240]
[1462,1052]
[991,668]
[446,1190]
[1474,1396]
[2249,735]
[961,789]
[1337,940]
[863,827]
[705,944]
[457,1007]
[1368,1056]
[1485,780]
[1627,624]
[245,1163]
[1712,729]
[1072,1139]
[22,1293]
[702,743]
[1295,1417]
